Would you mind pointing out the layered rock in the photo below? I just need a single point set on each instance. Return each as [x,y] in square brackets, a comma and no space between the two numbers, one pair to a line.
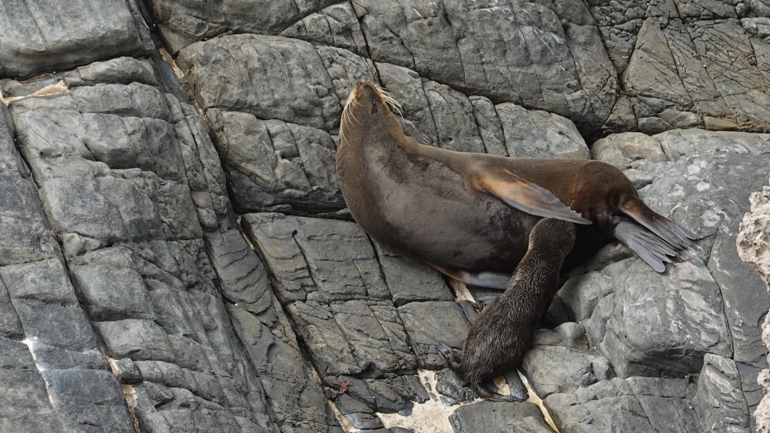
[133,189]
[129,296]
[44,36]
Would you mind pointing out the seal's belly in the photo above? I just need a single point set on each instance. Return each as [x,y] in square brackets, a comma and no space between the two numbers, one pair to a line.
[445,224]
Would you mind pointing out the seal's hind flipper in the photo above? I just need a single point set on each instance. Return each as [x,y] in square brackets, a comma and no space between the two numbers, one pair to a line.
[488,394]
[490,280]
[663,227]
[525,196]
[448,355]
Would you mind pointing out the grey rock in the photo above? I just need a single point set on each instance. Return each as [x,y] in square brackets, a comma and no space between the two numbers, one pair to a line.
[396,394]
[581,294]
[721,402]
[573,335]
[490,128]
[459,45]
[538,134]
[714,196]
[88,399]
[376,335]
[409,280]
[360,415]
[453,116]
[113,198]
[127,371]
[489,416]
[121,70]
[222,78]
[242,275]
[427,323]
[112,293]
[621,149]
[634,339]
[142,339]
[203,168]
[66,356]
[345,69]
[335,25]
[24,229]
[294,398]
[272,164]
[164,320]
[668,403]
[49,36]
[10,326]
[326,342]
[682,143]
[322,259]
[678,75]
[637,404]
[181,24]
[752,390]
[23,383]
[558,369]
[48,310]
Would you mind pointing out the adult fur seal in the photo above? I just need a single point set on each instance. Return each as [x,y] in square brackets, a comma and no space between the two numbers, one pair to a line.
[469,214]
[503,332]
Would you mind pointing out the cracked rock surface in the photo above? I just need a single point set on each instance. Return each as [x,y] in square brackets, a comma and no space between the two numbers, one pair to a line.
[176,254]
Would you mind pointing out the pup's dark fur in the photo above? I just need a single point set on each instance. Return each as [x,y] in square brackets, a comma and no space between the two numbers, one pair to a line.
[503,332]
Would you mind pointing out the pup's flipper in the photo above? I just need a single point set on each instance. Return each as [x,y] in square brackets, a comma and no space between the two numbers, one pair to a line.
[488,394]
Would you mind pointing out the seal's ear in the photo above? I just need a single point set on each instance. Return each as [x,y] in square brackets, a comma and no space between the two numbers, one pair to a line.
[524,196]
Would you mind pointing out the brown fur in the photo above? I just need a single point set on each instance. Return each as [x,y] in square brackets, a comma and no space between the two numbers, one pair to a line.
[425,202]
[501,335]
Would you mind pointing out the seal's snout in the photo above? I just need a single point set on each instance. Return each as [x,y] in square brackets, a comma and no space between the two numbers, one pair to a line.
[367,99]
[368,92]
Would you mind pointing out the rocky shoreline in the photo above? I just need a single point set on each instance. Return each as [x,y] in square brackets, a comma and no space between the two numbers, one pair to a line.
[177,255]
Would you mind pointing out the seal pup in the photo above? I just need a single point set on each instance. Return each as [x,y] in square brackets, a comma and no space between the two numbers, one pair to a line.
[469,214]
[503,331]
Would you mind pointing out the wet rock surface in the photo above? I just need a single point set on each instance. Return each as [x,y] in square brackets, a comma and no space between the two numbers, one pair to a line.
[177,255]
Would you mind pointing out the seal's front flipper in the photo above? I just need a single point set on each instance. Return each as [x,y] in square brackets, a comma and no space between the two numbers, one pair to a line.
[663,227]
[650,248]
[525,196]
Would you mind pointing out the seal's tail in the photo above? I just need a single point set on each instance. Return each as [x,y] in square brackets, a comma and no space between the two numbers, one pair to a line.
[655,238]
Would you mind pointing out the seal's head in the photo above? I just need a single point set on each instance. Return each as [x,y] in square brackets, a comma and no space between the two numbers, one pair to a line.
[368,106]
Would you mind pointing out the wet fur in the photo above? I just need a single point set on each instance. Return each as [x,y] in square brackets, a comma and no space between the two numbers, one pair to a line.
[503,332]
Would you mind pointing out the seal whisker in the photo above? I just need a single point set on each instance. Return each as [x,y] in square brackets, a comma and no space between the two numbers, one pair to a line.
[354,116]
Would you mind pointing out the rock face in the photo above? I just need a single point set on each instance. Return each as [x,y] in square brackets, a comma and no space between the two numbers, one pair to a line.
[44,36]
[177,255]
[753,249]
